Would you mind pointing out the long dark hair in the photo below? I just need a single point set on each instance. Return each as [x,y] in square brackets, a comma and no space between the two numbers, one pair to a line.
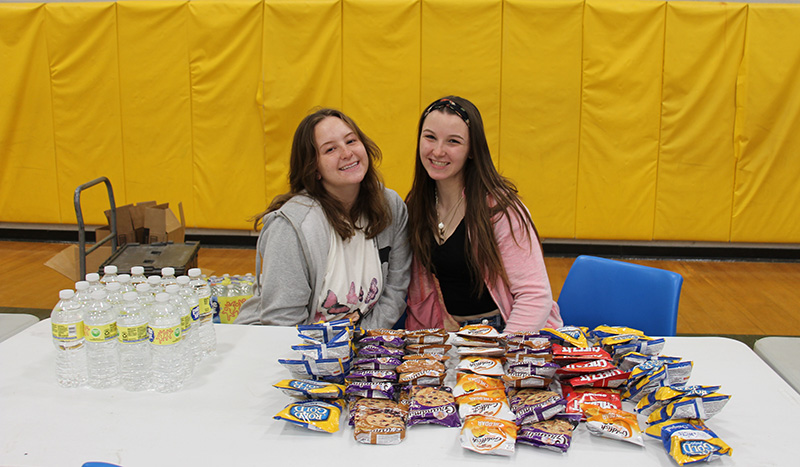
[487,194]
[370,204]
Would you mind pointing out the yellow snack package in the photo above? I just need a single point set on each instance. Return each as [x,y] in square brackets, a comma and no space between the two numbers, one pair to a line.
[313,414]
[692,442]
[489,435]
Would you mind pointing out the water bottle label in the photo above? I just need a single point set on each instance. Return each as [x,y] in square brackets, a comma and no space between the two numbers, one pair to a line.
[68,331]
[132,334]
[164,336]
[186,322]
[205,306]
[101,333]
[195,313]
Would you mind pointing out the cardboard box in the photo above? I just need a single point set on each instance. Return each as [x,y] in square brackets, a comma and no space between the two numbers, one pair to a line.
[146,222]
[162,225]
[67,261]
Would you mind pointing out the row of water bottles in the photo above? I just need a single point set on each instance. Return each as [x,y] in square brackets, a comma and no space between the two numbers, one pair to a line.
[142,333]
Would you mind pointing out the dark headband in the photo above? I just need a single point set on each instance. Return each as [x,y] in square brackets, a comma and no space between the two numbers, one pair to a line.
[448,103]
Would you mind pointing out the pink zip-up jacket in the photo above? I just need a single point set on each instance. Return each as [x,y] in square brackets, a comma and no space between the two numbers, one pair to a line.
[526,303]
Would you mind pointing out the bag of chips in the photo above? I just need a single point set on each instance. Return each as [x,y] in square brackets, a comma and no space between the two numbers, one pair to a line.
[492,403]
[535,405]
[310,389]
[692,442]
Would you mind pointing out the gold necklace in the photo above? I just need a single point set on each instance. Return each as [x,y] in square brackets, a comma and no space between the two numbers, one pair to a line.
[448,217]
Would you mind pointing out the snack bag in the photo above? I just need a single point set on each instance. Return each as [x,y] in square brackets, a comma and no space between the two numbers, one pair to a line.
[359,403]
[493,403]
[372,376]
[376,363]
[665,394]
[423,378]
[488,435]
[468,383]
[427,336]
[606,398]
[612,423]
[568,335]
[487,366]
[564,355]
[315,415]
[554,434]
[432,405]
[371,390]
[535,405]
[382,339]
[421,364]
[479,331]
[543,369]
[605,379]
[326,331]
[310,389]
[692,442]
[699,407]
[378,427]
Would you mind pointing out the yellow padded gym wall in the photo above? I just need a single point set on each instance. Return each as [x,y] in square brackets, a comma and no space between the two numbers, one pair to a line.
[27,146]
[766,202]
[623,43]
[156,103]
[224,59]
[82,47]
[617,119]
[702,53]
[540,108]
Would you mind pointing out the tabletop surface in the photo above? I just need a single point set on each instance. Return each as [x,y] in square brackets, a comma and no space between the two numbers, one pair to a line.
[224,414]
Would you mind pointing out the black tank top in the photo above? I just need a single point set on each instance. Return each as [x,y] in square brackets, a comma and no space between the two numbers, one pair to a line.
[452,271]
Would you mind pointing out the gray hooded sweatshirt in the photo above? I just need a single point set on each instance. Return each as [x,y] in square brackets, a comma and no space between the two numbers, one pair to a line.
[292,253]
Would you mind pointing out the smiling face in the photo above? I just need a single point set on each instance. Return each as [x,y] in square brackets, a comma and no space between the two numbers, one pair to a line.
[444,146]
[342,160]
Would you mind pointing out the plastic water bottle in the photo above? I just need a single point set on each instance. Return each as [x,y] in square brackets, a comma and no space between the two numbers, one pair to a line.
[67,324]
[137,276]
[155,284]
[188,336]
[187,292]
[164,333]
[114,295]
[109,274]
[146,296]
[82,294]
[93,279]
[168,277]
[100,330]
[125,283]
[134,345]
[206,333]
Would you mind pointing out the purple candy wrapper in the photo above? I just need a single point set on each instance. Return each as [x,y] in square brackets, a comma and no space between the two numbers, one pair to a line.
[371,390]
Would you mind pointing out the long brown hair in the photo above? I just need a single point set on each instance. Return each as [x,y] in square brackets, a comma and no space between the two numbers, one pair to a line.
[487,194]
[370,204]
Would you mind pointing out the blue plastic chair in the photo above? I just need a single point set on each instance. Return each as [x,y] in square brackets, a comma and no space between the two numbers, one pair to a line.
[601,291]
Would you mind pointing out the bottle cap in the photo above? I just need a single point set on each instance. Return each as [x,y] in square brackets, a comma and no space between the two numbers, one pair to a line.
[194,272]
[154,280]
[81,285]
[183,280]
[98,294]
[92,277]
[113,286]
[124,278]
[162,297]
[110,269]
[167,271]
[173,288]
[66,293]
[137,270]
[144,287]
[130,296]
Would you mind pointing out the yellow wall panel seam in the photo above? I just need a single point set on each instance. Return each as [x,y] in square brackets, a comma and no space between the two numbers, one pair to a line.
[52,106]
[499,155]
[124,188]
[187,13]
[660,122]
[741,93]
[580,122]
